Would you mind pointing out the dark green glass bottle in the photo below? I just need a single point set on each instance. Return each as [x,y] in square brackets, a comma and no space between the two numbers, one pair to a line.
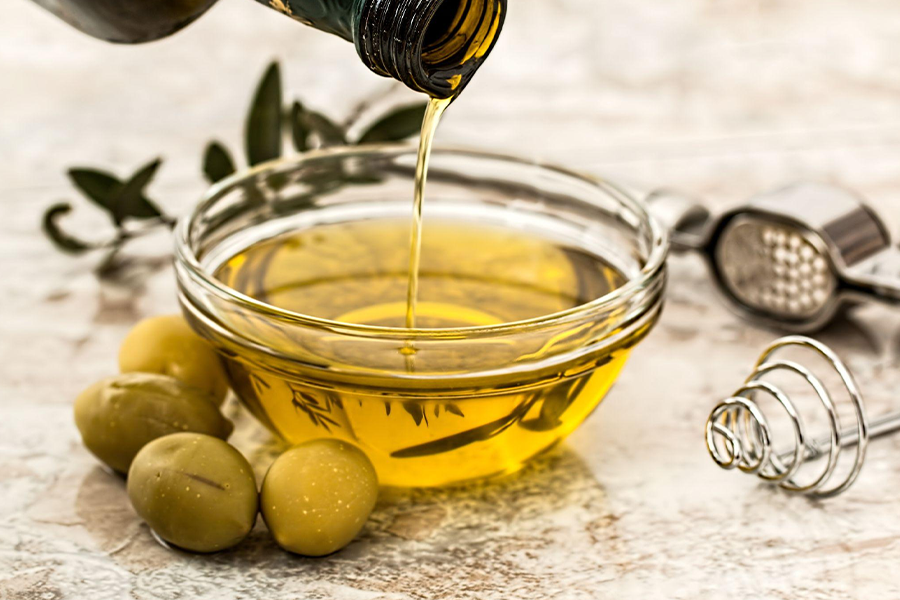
[432,46]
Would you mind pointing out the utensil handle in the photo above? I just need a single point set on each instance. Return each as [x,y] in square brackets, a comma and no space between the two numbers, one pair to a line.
[686,219]
[878,277]
[817,448]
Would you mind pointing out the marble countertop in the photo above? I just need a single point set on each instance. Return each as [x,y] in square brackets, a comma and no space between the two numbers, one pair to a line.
[721,99]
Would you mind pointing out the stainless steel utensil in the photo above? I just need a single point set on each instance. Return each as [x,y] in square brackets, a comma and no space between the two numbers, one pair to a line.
[791,258]
[738,434]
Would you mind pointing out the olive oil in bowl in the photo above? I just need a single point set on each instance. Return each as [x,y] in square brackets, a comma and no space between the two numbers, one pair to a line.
[470,276]
[533,287]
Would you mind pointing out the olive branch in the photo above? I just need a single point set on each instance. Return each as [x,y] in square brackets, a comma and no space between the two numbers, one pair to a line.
[317,412]
[271,126]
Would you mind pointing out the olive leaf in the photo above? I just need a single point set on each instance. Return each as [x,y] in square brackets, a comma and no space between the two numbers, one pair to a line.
[313,409]
[416,411]
[332,401]
[217,162]
[119,199]
[397,125]
[263,130]
[62,240]
[129,200]
[555,404]
[448,408]
[311,129]
[324,129]
[97,186]
[453,409]
[299,128]
[472,436]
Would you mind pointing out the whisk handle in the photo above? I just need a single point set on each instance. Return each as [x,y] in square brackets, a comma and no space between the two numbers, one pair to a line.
[817,448]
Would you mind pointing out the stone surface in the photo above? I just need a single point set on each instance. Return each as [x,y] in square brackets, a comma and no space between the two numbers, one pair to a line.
[720,98]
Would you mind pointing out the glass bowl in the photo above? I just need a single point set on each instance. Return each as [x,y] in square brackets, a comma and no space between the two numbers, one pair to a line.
[481,399]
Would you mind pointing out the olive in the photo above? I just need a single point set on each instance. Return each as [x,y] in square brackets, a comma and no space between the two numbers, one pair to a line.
[167,345]
[119,415]
[195,491]
[316,497]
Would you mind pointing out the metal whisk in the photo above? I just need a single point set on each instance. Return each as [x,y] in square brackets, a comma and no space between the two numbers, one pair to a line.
[738,435]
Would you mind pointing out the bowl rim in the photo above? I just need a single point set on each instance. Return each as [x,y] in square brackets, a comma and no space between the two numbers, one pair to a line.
[652,271]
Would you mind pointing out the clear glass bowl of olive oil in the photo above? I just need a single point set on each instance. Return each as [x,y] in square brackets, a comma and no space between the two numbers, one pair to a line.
[534,285]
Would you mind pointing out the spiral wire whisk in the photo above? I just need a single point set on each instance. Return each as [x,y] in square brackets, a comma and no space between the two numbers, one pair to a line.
[738,434]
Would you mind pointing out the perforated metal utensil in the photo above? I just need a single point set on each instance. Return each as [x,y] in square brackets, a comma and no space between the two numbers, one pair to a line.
[791,258]
[739,436]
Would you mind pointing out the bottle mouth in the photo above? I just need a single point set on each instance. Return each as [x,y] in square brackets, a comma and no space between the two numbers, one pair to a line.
[432,46]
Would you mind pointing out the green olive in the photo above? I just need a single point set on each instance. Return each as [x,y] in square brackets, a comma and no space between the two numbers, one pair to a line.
[119,415]
[195,491]
[316,497]
[167,345]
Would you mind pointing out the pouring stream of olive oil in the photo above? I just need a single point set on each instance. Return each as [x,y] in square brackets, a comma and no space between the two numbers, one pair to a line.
[433,114]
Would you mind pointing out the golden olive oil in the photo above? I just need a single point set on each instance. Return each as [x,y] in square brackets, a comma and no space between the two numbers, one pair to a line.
[430,123]
[445,422]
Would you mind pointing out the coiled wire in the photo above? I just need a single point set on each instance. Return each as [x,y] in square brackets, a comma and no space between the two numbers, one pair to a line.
[738,435]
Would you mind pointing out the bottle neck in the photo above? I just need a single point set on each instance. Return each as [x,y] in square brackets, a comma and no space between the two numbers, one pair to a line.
[432,46]
[330,16]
